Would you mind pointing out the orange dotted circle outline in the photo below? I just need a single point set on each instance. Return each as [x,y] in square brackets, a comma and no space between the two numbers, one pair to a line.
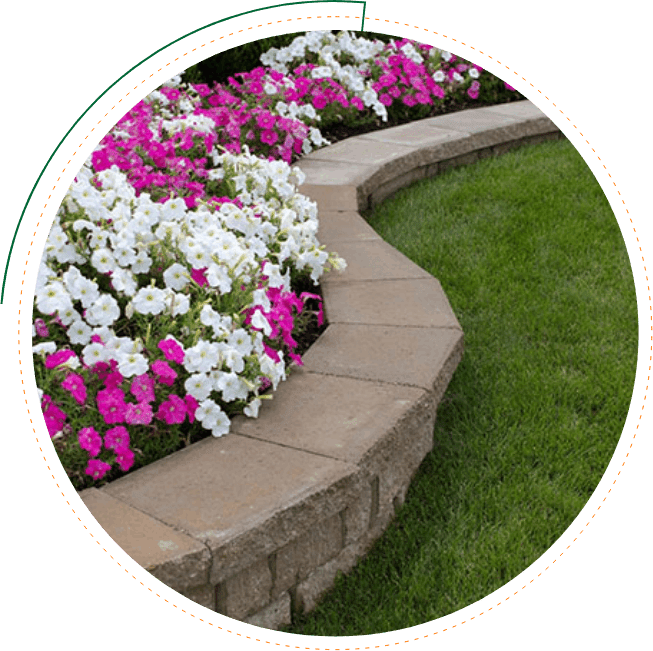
[379,646]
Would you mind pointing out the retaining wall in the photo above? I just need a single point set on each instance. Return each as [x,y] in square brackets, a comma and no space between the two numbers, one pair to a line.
[256,525]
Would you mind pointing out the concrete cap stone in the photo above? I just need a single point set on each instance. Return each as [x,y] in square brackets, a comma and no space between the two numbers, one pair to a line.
[334,186]
[338,417]
[359,166]
[470,120]
[343,227]
[522,110]
[173,557]
[397,355]
[383,161]
[336,173]
[415,302]
[363,151]
[373,260]
[415,134]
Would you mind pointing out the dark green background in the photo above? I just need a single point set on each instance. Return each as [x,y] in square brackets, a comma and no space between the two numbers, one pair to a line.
[61,589]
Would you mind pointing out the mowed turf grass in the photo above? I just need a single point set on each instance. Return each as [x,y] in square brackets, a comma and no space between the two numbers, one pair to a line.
[534,264]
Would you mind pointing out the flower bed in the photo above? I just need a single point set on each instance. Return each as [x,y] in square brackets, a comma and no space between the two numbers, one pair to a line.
[167,299]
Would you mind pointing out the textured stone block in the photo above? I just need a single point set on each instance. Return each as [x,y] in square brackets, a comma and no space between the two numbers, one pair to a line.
[464,159]
[307,593]
[388,188]
[298,559]
[333,185]
[521,110]
[204,595]
[246,592]
[274,615]
[505,147]
[356,518]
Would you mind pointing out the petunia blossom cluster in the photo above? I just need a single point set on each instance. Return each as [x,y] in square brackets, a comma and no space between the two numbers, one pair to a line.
[168,143]
[165,299]
[151,315]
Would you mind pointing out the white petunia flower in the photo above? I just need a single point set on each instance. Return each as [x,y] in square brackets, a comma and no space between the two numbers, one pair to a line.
[202,357]
[79,332]
[241,341]
[132,364]
[231,386]
[103,312]
[123,281]
[221,426]
[199,385]
[68,315]
[261,323]
[208,413]
[52,298]
[142,264]
[93,353]
[45,348]
[103,260]
[149,300]
[176,276]
[252,408]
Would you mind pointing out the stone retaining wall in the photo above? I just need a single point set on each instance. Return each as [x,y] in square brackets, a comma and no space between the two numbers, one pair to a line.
[257,525]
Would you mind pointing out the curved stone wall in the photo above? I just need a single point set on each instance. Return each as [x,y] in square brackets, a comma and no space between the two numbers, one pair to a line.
[256,525]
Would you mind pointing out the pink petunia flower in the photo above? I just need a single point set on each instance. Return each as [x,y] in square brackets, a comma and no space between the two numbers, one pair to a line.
[296,358]
[97,468]
[199,277]
[113,380]
[265,120]
[358,103]
[172,350]
[124,459]
[191,407]
[54,417]
[271,353]
[166,375]
[116,438]
[41,328]
[139,414]
[75,384]
[58,358]
[172,411]
[111,403]
[90,441]
[142,387]
[269,137]
[54,426]
[319,101]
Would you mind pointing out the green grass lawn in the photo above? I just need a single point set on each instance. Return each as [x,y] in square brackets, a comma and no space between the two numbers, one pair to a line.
[532,259]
